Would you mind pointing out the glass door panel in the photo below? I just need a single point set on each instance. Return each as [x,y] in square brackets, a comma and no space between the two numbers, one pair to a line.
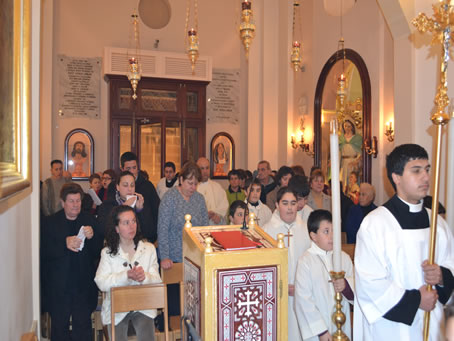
[150,150]
[192,104]
[125,139]
[173,144]
[193,144]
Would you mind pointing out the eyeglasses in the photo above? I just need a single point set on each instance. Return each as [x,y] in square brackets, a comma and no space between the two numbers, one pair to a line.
[106,178]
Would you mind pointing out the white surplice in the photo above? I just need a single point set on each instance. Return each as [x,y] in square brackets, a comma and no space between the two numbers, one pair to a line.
[162,188]
[314,293]
[215,198]
[305,212]
[388,262]
[262,213]
[299,242]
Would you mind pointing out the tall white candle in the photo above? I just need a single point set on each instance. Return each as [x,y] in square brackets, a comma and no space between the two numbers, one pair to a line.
[335,196]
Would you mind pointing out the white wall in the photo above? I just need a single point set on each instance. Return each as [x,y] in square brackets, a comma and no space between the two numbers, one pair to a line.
[19,228]
[16,291]
[83,28]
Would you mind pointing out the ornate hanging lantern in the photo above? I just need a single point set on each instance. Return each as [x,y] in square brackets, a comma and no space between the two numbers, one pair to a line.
[192,40]
[295,57]
[247,25]
[134,74]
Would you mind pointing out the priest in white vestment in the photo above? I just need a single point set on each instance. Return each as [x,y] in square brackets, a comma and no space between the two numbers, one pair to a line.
[214,194]
[285,220]
[392,246]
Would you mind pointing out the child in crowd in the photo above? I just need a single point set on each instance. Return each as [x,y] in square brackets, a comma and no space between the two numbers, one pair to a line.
[353,188]
[234,192]
[285,220]
[301,187]
[88,204]
[95,182]
[253,192]
[314,288]
[237,211]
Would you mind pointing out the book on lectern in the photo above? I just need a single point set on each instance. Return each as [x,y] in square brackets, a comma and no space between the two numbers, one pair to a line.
[234,240]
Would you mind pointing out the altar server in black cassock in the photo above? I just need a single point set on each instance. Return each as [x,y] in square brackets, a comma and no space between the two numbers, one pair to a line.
[390,258]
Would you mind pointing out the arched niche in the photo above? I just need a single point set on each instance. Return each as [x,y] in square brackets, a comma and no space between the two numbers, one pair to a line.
[358,111]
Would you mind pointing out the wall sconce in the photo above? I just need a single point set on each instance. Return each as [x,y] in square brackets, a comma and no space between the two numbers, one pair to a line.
[371,146]
[389,131]
[298,141]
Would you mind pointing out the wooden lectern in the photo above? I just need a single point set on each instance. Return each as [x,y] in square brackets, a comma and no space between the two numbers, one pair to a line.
[240,294]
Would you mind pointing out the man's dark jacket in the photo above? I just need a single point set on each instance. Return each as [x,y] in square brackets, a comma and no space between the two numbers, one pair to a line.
[59,261]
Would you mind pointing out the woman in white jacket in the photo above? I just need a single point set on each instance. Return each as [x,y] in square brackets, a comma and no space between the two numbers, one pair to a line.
[127,260]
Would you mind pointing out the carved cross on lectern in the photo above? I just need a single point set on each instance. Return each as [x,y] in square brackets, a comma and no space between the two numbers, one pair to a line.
[441,27]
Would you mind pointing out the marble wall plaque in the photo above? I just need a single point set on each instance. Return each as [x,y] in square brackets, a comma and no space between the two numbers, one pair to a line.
[223,97]
[79,87]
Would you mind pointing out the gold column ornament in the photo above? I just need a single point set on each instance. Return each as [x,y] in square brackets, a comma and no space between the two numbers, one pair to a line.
[252,220]
[187,219]
[247,25]
[280,241]
[208,247]
[192,39]
[134,74]
[338,316]
[441,27]
[295,57]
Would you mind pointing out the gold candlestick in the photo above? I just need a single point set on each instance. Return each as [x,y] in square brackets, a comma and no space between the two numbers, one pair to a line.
[338,316]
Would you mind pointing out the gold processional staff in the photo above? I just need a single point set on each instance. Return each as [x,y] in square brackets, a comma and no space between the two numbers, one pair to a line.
[441,27]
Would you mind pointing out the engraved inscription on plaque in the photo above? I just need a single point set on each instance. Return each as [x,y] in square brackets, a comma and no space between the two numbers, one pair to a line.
[223,97]
[79,87]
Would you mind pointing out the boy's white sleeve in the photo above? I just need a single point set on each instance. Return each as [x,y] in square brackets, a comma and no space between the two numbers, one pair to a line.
[310,320]
[347,265]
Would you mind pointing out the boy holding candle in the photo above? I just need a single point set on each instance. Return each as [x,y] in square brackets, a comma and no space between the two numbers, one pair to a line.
[314,288]
[285,220]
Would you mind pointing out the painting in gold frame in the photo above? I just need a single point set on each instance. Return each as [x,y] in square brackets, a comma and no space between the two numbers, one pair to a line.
[15,92]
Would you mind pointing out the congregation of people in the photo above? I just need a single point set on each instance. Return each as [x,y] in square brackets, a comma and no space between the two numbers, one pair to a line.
[124,229]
